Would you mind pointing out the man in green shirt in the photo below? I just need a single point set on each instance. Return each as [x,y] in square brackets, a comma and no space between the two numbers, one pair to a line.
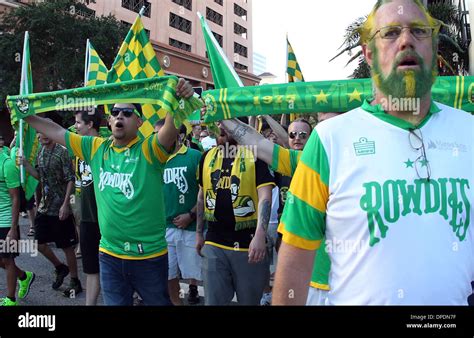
[181,190]
[3,148]
[10,232]
[128,184]
[88,124]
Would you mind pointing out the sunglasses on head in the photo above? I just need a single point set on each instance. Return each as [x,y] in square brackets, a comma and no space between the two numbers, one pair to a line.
[127,112]
[302,134]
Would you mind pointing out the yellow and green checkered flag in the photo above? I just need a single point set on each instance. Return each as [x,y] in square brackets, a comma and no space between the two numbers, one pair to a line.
[137,60]
[293,69]
[95,71]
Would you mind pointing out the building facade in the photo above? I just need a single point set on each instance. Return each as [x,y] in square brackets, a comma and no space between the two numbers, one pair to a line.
[175,32]
[259,64]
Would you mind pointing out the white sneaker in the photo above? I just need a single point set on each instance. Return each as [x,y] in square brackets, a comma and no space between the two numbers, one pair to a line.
[266,299]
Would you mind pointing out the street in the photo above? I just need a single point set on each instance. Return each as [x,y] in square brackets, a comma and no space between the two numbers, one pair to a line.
[41,292]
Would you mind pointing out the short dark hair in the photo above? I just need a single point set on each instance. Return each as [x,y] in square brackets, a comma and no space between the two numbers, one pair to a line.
[159,123]
[302,120]
[94,116]
[138,107]
[183,130]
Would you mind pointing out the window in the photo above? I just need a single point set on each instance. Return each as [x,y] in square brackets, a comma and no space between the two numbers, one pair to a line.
[136,6]
[239,11]
[220,2]
[239,49]
[214,16]
[239,30]
[180,23]
[219,38]
[188,4]
[180,45]
[240,66]
[86,13]
[126,24]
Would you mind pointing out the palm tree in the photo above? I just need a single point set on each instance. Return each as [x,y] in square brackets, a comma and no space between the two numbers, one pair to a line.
[453,57]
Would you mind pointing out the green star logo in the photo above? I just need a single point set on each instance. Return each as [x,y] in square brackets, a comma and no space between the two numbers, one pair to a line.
[424,162]
[409,163]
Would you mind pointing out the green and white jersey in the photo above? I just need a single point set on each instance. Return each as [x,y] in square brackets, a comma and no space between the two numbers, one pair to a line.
[285,162]
[128,184]
[181,184]
[393,235]
[9,179]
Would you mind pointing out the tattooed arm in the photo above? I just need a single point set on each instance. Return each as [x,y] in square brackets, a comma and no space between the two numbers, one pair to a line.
[258,247]
[200,221]
[279,131]
[248,136]
[48,128]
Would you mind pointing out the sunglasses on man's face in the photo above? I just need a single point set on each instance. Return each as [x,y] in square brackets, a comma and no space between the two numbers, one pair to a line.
[302,134]
[127,112]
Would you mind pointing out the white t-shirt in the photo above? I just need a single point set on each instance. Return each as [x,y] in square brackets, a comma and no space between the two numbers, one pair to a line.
[393,237]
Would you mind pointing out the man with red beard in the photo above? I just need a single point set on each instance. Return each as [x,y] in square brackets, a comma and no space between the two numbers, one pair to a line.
[391,208]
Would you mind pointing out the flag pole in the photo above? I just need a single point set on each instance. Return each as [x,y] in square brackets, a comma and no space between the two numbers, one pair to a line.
[142,11]
[286,64]
[86,65]
[23,91]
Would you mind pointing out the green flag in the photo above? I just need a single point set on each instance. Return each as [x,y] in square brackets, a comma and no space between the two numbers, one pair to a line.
[323,96]
[26,141]
[157,90]
[95,69]
[223,73]
[135,60]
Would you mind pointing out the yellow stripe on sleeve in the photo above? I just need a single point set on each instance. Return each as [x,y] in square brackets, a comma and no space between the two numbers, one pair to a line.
[284,163]
[297,241]
[146,152]
[309,188]
[75,141]
[96,143]
[158,151]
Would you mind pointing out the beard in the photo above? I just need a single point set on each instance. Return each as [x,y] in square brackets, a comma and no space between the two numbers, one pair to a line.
[412,83]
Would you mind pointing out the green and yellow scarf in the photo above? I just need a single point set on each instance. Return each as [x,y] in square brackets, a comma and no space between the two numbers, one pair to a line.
[244,193]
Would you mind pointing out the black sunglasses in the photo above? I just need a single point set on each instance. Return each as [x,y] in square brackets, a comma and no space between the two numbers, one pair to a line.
[127,112]
[302,134]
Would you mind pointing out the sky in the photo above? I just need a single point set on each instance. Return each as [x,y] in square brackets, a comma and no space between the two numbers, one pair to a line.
[315,30]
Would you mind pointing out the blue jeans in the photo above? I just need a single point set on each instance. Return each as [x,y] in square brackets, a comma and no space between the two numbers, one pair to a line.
[119,278]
